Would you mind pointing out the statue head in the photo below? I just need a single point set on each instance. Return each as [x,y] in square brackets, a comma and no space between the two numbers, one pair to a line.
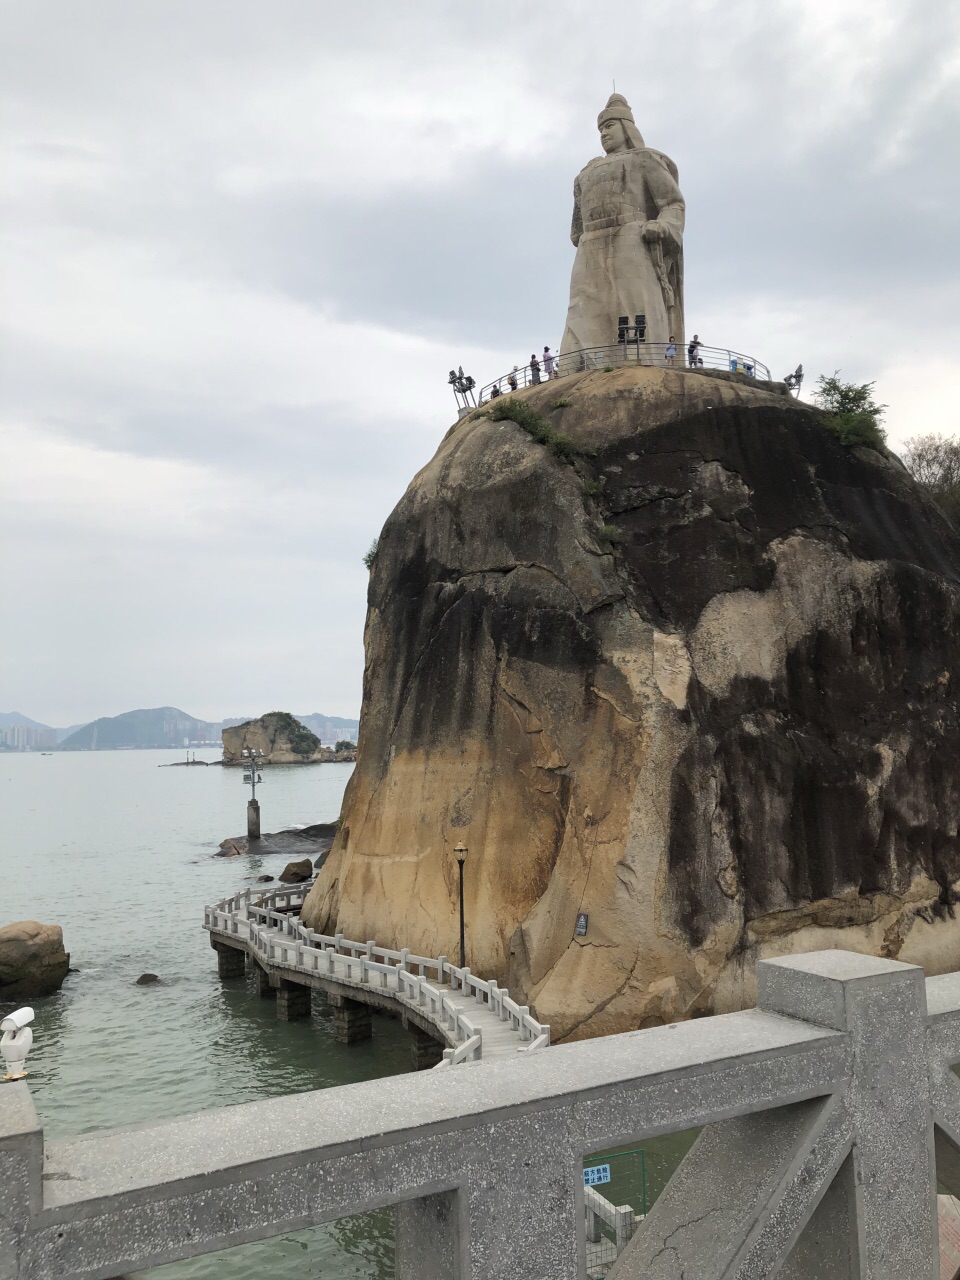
[618,130]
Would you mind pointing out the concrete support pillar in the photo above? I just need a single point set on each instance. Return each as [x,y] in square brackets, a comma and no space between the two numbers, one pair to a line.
[427,1051]
[253,819]
[514,1214]
[427,1238]
[21,1161]
[293,1001]
[351,1020]
[231,961]
[265,988]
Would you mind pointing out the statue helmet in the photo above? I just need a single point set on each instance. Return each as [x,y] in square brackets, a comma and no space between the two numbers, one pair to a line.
[618,108]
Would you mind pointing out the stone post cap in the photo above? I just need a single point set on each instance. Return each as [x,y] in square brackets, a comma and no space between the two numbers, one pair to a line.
[817,986]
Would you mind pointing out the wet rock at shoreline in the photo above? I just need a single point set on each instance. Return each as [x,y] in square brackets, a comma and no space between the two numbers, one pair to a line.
[147,980]
[294,844]
[33,961]
[297,872]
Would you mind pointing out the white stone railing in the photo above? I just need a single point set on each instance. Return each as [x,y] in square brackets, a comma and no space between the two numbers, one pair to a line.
[264,920]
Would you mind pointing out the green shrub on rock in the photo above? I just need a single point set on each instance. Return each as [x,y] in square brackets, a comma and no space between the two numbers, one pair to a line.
[849,412]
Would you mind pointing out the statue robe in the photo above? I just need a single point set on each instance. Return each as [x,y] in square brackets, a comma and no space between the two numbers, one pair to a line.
[615,272]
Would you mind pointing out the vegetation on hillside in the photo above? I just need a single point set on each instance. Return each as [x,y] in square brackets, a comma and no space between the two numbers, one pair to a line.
[345,745]
[934,462]
[509,408]
[849,411]
[371,553]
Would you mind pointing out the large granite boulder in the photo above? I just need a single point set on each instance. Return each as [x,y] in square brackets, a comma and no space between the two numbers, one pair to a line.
[699,687]
[32,960]
[278,738]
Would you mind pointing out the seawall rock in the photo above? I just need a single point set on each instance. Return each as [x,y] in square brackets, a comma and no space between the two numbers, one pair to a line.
[33,961]
[700,686]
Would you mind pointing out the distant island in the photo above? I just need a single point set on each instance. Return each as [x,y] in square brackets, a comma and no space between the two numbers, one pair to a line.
[148,727]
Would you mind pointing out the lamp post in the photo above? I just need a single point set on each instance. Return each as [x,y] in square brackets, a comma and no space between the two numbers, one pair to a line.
[251,763]
[461,853]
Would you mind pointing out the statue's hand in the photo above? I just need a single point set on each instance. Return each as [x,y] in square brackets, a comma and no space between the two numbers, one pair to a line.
[653,232]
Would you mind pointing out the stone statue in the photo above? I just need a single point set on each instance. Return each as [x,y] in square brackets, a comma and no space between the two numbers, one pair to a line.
[628,228]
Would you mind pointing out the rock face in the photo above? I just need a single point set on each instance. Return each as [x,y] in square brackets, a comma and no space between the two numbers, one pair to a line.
[281,738]
[701,687]
[32,960]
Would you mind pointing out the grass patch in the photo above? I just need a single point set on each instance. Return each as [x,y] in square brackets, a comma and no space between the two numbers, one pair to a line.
[563,404]
[610,533]
[518,411]
[593,488]
[608,368]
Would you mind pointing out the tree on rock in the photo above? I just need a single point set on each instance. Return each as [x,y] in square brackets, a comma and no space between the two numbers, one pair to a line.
[850,411]
[934,462]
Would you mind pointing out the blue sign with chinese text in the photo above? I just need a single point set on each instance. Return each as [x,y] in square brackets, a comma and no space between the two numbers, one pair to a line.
[594,1176]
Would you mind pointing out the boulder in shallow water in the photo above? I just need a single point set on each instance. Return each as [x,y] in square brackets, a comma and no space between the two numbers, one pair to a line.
[147,980]
[32,960]
[264,879]
[297,872]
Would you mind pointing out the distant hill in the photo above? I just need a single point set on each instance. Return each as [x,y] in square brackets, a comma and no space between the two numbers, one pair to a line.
[328,729]
[152,727]
[9,718]
[162,727]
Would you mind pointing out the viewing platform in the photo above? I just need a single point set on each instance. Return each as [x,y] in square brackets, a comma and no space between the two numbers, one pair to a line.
[463,1017]
[653,354]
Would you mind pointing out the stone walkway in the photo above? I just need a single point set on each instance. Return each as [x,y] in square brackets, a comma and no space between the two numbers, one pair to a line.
[474,1018]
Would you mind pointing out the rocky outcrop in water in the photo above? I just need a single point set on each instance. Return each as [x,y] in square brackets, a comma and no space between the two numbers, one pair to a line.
[697,690]
[33,961]
[277,737]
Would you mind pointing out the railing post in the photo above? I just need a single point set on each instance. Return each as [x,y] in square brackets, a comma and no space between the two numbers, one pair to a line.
[21,1158]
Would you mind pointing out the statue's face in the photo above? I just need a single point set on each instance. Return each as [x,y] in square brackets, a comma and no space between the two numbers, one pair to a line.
[612,136]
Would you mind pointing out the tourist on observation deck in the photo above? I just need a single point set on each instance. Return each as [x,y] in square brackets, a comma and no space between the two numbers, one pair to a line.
[534,370]
[693,351]
[548,362]
[512,379]
[670,354]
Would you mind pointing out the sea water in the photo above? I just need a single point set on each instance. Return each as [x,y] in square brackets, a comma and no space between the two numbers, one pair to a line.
[119,852]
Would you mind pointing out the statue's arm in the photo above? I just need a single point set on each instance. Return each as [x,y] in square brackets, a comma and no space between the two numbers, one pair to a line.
[671,209]
[576,228]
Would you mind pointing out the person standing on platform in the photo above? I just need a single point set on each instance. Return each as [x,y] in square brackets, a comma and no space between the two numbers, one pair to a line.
[670,354]
[693,357]
[548,363]
[534,370]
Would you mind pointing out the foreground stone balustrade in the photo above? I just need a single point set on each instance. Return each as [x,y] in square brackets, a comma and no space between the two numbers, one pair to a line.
[818,1110]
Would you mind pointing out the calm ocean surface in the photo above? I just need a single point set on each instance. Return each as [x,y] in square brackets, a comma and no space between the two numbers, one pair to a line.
[119,853]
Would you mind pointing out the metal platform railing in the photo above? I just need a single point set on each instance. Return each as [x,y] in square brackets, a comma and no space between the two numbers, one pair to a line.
[652,354]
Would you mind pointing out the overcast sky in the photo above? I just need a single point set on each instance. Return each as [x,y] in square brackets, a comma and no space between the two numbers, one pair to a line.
[243,243]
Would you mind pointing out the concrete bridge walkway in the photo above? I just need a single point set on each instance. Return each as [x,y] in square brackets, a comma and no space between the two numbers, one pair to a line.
[440,1003]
